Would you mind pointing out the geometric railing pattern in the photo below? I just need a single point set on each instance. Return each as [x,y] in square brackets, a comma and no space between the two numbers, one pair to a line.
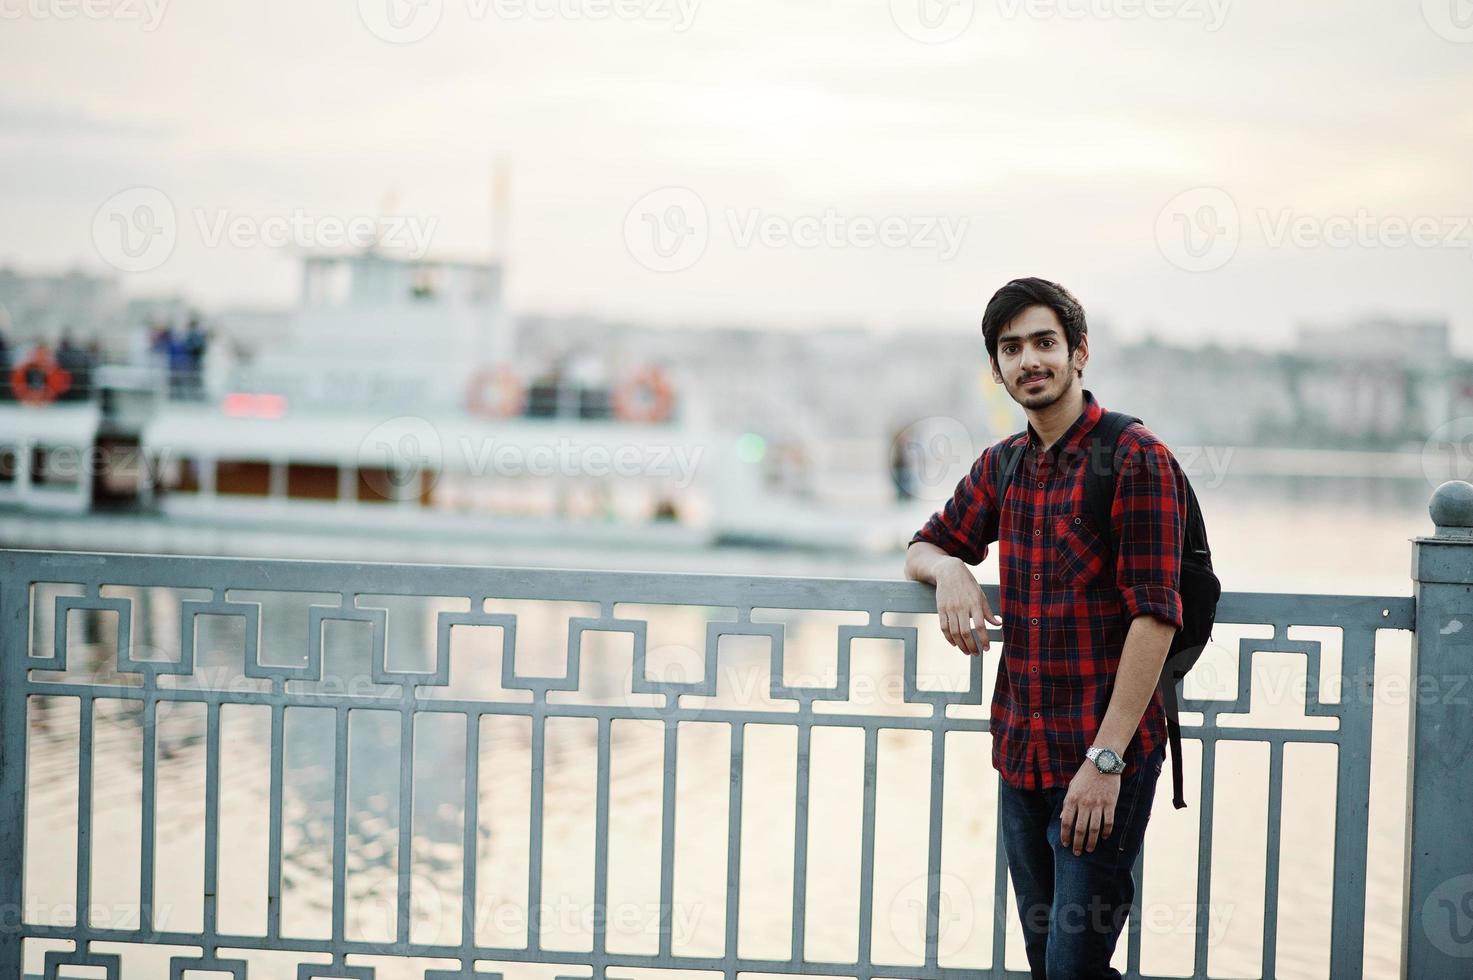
[56,606]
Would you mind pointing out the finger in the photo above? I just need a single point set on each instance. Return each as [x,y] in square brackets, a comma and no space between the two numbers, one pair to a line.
[979,630]
[1109,823]
[1066,825]
[969,624]
[979,642]
[1094,831]
[954,628]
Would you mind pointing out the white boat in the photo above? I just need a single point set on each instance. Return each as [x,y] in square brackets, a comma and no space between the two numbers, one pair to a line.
[397,406]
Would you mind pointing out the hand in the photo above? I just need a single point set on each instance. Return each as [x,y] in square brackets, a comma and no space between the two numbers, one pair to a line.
[1089,808]
[960,604]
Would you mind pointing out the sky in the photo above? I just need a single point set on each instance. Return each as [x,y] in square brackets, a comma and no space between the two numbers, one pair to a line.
[1219,170]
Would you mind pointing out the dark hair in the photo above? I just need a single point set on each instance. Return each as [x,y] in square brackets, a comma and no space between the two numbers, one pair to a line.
[1020,294]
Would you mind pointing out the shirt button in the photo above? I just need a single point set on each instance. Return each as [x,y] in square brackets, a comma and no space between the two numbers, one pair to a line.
[1076,520]
[1035,714]
[1033,669]
[1040,486]
[1037,532]
[1035,576]
[1035,620]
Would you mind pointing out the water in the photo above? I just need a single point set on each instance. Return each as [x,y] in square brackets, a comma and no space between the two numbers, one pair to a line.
[1298,536]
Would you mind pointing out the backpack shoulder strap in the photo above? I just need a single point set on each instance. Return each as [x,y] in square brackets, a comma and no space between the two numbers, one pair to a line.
[1100,472]
[1010,457]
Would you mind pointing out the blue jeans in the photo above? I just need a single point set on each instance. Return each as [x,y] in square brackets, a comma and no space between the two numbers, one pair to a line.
[1074,907]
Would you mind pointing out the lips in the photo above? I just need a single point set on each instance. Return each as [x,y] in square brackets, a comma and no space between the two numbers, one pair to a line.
[1027,383]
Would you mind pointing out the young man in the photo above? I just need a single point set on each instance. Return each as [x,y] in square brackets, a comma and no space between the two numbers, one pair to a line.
[1078,727]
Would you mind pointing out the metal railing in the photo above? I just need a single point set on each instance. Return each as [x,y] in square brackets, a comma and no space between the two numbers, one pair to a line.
[48,599]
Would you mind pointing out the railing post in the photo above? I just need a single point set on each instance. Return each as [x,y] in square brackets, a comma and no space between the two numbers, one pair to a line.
[1437,915]
[12,778]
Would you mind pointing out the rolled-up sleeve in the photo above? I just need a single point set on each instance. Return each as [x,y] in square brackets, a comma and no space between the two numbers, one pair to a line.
[967,523]
[1148,519]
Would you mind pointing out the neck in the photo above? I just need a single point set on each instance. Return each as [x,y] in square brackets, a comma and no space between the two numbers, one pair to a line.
[1051,422]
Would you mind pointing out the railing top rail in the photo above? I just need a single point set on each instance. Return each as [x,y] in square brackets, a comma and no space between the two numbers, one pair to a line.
[572,584]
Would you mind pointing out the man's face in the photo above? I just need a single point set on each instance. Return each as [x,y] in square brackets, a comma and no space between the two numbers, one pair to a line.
[1033,360]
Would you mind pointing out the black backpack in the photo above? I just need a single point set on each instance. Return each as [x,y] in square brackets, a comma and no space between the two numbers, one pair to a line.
[1199,587]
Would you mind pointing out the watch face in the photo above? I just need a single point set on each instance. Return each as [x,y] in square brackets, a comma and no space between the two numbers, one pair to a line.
[1107,759]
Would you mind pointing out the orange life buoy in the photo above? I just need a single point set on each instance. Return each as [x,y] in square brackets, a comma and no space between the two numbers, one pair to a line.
[496,391]
[645,397]
[55,379]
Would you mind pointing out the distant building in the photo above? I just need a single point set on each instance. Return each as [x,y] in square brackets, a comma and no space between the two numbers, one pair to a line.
[39,307]
[1379,338]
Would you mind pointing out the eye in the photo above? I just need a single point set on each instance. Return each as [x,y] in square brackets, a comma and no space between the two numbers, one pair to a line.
[1047,340]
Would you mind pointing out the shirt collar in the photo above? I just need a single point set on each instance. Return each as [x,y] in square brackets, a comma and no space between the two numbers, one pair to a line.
[1078,429]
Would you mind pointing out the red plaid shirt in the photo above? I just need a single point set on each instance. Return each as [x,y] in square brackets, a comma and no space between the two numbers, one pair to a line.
[1066,605]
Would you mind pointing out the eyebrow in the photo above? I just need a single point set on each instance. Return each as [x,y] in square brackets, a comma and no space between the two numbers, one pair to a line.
[1047,332]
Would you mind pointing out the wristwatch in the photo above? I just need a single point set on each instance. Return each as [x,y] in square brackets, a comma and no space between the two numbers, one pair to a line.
[1105,760]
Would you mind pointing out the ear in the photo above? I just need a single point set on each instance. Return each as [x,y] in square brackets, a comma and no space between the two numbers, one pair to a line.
[1081,354]
[996,374]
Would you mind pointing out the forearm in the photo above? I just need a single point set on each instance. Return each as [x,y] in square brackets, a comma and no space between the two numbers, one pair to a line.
[1146,646]
[923,560]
